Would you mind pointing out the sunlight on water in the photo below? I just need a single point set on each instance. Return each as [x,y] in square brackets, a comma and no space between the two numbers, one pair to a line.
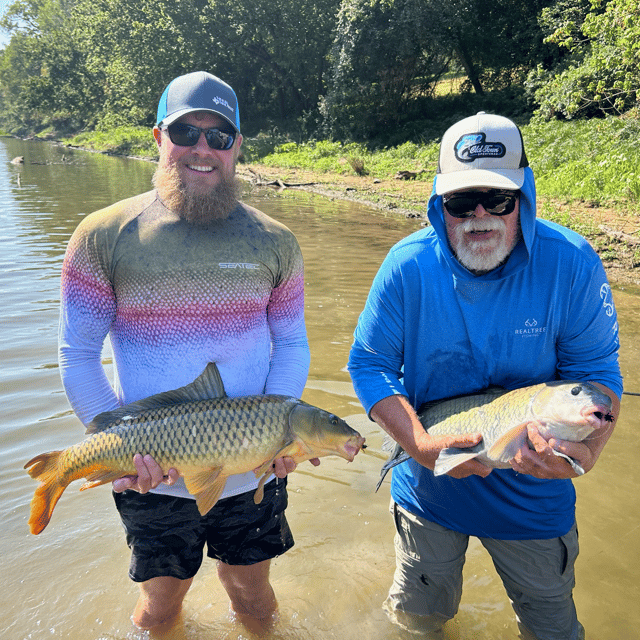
[71,581]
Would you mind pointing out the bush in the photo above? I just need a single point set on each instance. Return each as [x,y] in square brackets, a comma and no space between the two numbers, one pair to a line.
[596,160]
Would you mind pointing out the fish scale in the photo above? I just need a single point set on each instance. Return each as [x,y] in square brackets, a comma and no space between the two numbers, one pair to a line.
[229,423]
[198,430]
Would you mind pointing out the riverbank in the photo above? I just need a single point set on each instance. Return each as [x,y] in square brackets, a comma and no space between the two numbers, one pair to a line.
[614,233]
[613,230]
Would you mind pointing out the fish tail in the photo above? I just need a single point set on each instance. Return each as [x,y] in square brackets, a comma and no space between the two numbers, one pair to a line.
[45,469]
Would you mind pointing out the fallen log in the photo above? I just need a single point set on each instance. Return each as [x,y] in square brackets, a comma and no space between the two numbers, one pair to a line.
[258,180]
[619,235]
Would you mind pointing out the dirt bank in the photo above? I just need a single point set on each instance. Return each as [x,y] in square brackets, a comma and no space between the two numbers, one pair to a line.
[614,234]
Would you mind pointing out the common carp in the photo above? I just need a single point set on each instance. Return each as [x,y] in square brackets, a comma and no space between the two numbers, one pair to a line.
[565,410]
[202,433]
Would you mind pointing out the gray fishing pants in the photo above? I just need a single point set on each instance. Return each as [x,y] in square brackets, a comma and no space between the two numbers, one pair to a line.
[538,576]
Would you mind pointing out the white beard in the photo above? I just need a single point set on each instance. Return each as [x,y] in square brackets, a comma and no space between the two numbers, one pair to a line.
[481,256]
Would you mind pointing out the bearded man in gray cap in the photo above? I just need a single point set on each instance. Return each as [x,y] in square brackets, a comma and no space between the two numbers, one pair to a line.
[153,273]
[489,295]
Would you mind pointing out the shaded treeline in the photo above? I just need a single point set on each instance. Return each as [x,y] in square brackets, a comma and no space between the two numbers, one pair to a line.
[345,69]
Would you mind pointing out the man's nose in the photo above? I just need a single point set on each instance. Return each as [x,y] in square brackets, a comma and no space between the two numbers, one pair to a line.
[480,211]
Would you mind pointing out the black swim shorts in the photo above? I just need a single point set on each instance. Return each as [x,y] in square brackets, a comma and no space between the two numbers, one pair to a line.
[167,535]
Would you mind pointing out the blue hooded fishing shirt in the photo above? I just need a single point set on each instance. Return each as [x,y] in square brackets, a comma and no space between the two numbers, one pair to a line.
[432,330]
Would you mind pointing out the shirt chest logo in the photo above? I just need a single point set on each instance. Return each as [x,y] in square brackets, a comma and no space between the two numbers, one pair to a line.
[531,329]
[238,265]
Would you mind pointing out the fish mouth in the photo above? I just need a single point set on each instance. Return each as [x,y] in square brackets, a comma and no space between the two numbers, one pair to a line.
[352,447]
[598,416]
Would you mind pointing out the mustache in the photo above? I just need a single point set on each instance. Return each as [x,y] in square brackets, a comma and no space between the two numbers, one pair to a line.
[492,223]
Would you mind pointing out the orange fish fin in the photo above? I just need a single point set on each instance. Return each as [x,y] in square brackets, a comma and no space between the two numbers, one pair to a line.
[506,446]
[206,486]
[259,494]
[44,468]
[296,449]
[103,476]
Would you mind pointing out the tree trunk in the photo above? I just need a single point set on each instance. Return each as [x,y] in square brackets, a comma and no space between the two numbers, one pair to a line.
[472,74]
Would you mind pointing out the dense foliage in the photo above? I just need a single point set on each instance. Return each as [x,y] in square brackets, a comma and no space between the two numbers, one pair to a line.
[365,70]
[389,55]
[601,74]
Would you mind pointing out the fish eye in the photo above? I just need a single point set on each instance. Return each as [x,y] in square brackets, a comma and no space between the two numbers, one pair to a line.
[576,391]
[333,419]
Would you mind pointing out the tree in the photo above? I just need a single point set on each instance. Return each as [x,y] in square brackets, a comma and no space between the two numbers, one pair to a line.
[43,77]
[388,55]
[106,62]
[384,58]
[601,74]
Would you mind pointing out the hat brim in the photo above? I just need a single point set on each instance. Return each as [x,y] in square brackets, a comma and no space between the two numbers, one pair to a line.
[176,115]
[474,178]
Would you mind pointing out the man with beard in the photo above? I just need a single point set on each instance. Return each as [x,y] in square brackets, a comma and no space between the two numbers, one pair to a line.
[488,295]
[179,277]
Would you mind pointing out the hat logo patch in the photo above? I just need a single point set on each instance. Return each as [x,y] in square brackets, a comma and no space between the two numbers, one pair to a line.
[473,146]
[218,100]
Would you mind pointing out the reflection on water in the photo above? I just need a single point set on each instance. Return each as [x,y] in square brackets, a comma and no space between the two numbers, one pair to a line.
[71,581]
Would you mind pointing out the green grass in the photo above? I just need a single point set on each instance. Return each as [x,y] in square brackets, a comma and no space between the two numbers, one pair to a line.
[335,157]
[592,160]
[595,160]
[129,141]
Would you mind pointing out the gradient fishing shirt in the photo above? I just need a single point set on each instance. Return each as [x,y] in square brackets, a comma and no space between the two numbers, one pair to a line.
[174,296]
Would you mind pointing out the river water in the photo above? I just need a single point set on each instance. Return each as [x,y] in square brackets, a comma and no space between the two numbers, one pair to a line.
[71,581]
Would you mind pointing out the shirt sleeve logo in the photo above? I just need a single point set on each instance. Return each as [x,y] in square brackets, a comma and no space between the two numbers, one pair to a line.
[607,299]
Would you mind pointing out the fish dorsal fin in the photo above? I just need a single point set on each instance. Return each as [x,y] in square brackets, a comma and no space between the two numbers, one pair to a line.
[207,386]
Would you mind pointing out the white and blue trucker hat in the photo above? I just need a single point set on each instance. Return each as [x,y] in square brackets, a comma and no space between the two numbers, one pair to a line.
[198,91]
[484,150]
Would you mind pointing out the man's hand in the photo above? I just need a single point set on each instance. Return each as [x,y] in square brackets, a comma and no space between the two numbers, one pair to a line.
[541,462]
[399,419]
[149,476]
[431,446]
[284,466]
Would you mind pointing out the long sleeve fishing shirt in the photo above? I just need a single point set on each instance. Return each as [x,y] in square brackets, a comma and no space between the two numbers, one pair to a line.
[174,296]
[431,330]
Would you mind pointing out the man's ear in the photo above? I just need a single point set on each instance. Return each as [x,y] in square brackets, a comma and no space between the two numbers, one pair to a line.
[157,134]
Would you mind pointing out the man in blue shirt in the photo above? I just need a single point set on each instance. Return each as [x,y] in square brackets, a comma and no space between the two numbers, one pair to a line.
[488,295]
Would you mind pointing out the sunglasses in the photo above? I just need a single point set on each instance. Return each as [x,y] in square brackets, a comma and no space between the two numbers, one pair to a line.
[186,135]
[495,202]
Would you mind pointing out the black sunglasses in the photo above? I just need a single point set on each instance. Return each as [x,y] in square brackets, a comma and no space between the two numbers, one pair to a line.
[186,135]
[495,202]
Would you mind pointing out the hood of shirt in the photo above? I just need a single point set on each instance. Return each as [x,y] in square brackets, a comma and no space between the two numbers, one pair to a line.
[518,258]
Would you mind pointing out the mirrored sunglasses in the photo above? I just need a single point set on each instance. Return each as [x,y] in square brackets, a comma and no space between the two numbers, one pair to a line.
[187,135]
[495,202]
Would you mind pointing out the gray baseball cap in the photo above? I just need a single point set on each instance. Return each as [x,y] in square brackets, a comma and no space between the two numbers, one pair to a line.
[484,150]
[198,91]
